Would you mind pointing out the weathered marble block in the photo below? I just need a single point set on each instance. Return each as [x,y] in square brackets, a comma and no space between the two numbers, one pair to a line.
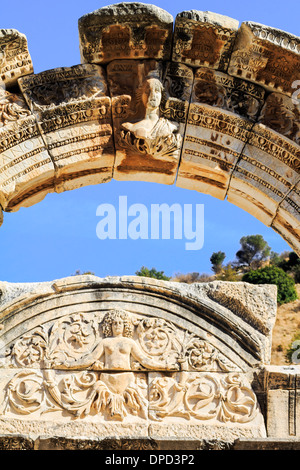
[221,114]
[203,39]
[15,60]
[125,31]
[265,174]
[220,90]
[282,396]
[214,140]
[267,56]
[149,115]
[73,110]
[26,169]
[224,404]
[287,219]
[281,113]
[133,357]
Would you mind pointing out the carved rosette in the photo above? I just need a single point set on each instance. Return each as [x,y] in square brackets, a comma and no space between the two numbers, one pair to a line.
[83,365]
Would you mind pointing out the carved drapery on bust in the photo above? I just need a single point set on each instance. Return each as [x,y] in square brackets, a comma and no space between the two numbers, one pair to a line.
[153,135]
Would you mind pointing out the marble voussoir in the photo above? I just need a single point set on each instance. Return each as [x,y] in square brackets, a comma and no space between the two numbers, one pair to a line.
[203,38]
[15,60]
[26,168]
[266,56]
[149,115]
[125,31]
[73,110]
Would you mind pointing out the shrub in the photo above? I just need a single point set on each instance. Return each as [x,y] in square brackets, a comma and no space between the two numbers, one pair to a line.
[286,291]
[144,271]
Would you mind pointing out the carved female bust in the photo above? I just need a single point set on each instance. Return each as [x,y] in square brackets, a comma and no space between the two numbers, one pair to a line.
[144,135]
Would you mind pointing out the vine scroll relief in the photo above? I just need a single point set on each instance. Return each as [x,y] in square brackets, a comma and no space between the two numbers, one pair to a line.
[116,364]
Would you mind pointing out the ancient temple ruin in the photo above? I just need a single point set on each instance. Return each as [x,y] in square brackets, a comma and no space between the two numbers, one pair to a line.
[201,102]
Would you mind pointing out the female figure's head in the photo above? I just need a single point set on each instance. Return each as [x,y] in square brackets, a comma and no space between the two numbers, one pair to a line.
[117,323]
[151,93]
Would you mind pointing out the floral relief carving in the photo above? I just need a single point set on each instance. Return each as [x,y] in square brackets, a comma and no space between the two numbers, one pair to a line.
[99,364]
[203,397]
[12,108]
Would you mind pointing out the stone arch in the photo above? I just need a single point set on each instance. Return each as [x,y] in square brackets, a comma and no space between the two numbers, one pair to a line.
[228,113]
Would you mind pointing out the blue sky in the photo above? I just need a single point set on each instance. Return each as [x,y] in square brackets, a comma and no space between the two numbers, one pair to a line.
[57,236]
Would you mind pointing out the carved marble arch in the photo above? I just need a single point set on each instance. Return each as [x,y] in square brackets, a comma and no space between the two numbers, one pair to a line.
[225,120]
[127,355]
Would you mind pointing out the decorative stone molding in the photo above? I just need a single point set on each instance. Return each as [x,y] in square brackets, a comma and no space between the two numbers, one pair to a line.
[132,357]
[73,111]
[267,56]
[219,115]
[125,31]
[15,60]
[203,39]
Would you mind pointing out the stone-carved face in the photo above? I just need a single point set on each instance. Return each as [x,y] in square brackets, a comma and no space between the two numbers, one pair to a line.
[117,327]
[152,93]
[117,323]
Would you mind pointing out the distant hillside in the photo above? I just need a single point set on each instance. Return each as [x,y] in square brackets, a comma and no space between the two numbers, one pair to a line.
[287,324]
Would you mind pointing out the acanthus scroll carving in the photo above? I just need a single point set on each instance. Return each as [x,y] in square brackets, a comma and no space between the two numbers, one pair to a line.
[203,397]
[99,364]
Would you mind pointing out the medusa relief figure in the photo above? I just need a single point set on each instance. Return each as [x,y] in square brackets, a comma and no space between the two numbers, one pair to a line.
[118,391]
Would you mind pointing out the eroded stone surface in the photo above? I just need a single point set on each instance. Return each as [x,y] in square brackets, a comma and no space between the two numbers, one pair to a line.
[15,60]
[202,38]
[26,169]
[282,114]
[267,56]
[148,124]
[73,110]
[125,31]
[101,364]
[265,174]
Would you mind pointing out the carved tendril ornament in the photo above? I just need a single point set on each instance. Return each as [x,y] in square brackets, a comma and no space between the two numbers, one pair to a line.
[97,365]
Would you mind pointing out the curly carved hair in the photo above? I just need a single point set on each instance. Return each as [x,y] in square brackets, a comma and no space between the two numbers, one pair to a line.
[117,314]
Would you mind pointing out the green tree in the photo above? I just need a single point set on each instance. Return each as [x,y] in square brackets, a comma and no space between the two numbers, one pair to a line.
[144,271]
[286,291]
[254,250]
[216,260]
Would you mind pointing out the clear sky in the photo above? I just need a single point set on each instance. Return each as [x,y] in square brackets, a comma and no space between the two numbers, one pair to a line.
[57,236]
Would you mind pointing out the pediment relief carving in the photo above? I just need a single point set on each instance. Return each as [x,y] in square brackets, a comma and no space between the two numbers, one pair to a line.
[123,356]
[115,340]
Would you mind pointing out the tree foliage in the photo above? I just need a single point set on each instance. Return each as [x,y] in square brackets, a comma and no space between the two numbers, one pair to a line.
[144,271]
[254,249]
[216,260]
[286,291]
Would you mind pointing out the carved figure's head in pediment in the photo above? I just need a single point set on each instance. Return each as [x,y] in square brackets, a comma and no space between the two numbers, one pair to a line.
[117,323]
